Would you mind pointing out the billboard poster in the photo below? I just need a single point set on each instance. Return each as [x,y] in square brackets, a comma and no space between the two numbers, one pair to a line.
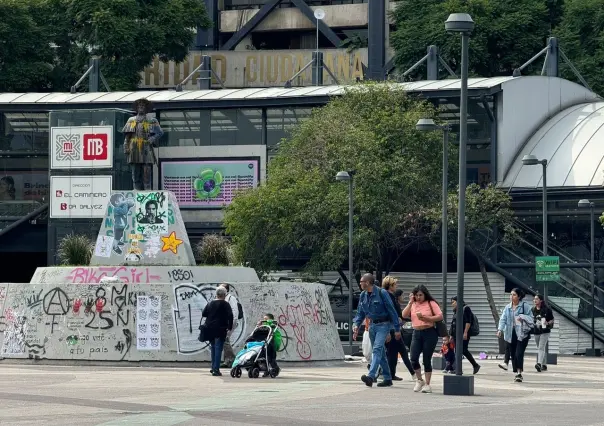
[209,183]
[81,147]
[24,186]
[79,197]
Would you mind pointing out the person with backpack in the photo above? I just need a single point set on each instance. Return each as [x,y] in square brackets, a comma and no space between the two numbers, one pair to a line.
[544,322]
[229,353]
[516,325]
[470,329]
[375,304]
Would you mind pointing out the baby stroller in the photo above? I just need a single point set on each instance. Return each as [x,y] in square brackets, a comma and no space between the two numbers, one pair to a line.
[253,356]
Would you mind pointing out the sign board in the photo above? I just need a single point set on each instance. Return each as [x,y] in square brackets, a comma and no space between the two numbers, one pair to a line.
[79,197]
[547,268]
[81,147]
[256,68]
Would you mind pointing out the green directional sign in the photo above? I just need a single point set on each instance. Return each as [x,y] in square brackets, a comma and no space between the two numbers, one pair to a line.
[547,268]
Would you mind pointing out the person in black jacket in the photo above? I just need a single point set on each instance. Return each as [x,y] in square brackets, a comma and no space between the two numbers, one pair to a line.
[219,321]
[395,347]
[467,323]
[544,322]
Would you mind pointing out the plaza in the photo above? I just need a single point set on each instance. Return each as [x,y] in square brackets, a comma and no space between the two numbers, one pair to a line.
[305,394]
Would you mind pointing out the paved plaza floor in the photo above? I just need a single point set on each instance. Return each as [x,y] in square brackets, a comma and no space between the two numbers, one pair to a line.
[571,393]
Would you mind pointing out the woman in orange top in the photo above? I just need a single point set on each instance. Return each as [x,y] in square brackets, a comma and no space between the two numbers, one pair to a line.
[424,313]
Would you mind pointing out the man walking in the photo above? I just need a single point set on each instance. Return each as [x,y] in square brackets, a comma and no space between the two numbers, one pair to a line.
[229,353]
[375,304]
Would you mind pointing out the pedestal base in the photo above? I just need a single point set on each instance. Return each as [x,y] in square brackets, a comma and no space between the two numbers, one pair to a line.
[552,359]
[458,385]
[593,352]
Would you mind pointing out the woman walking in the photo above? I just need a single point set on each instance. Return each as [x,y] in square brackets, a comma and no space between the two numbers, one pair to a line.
[395,347]
[219,321]
[516,325]
[424,313]
[544,322]
[467,323]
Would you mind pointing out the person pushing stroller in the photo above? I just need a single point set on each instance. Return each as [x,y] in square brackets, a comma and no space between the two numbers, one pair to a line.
[275,344]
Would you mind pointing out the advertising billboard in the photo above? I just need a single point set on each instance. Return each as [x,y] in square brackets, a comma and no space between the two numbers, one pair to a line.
[79,197]
[19,185]
[208,183]
[81,147]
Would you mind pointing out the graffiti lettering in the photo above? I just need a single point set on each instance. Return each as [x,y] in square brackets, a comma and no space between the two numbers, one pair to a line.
[104,322]
[181,275]
[129,275]
[118,298]
[34,300]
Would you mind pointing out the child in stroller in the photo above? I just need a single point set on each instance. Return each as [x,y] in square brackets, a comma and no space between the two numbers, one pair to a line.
[260,351]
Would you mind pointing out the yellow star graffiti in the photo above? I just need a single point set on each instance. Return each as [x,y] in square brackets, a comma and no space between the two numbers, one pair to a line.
[171,243]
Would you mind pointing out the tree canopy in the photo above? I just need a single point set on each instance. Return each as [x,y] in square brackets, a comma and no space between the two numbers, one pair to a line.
[371,130]
[52,40]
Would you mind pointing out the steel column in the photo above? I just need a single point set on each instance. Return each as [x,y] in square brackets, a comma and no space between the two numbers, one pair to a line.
[377,40]
[207,39]
[249,26]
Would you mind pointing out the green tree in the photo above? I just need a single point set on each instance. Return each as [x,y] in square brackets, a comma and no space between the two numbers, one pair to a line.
[490,223]
[26,55]
[581,35]
[507,32]
[302,208]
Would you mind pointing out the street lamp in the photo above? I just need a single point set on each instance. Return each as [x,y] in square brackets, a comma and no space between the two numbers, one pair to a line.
[586,204]
[462,24]
[428,125]
[348,176]
[531,160]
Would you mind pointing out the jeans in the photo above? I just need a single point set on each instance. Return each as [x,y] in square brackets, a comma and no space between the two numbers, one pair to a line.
[141,176]
[423,342]
[216,352]
[517,348]
[541,341]
[377,335]
[395,347]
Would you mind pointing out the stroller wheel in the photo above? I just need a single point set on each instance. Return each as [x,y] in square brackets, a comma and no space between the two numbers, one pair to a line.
[238,372]
[255,373]
[233,372]
[249,374]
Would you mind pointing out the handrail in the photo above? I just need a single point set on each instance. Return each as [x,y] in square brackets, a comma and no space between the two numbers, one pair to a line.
[25,218]
[516,281]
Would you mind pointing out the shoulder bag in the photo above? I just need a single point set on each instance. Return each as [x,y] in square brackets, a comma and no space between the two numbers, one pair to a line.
[440,326]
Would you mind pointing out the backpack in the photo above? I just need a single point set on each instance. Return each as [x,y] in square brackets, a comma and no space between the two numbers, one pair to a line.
[474,326]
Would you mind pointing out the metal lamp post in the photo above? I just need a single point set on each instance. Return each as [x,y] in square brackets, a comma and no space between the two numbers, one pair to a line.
[428,125]
[531,160]
[586,204]
[348,176]
[461,23]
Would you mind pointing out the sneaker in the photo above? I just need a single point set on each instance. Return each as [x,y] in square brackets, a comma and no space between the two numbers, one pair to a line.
[544,368]
[367,380]
[427,389]
[397,379]
[419,384]
[413,377]
[503,366]
[518,378]
[384,384]
[538,367]
[476,368]
[212,371]
[216,373]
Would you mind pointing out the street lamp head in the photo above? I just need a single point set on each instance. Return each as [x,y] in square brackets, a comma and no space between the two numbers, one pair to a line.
[530,160]
[343,176]
[426,125]
[585,204]
[459,23]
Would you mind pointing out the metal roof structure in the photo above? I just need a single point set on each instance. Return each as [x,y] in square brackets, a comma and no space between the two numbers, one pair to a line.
[297,95]
[571,142]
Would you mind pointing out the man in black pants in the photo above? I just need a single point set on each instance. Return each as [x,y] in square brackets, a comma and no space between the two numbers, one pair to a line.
[467,323]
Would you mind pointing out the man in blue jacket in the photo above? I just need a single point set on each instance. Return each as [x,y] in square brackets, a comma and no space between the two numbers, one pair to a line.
[375,304]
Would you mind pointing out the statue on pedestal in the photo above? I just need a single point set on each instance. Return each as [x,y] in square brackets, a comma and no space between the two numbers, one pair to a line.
[142,135]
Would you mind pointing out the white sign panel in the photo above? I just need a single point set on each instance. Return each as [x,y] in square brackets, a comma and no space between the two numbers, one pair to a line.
[79,197]
[81,147]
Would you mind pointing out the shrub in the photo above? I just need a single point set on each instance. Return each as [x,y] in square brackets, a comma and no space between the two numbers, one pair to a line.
[75,250]
[214,249]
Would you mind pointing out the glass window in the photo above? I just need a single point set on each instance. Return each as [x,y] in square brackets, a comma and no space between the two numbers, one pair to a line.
[236,127]
[24,185]
[24,132]
[184,128]
[280,122]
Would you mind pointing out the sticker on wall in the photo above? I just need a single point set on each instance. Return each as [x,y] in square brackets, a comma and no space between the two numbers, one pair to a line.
[151,213]
[171,243]
[121,206]
[134,252]
[104,245]
[148,323]
[153,246]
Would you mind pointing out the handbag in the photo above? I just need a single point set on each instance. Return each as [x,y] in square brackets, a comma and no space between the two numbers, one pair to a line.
[205,334]
[440,326]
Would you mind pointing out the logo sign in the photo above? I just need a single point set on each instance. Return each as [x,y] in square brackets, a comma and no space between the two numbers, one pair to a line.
[79,197]
[81,147]
[547,268]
